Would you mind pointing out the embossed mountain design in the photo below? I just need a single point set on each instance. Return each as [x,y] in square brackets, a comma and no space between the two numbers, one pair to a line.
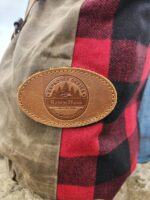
[66,92]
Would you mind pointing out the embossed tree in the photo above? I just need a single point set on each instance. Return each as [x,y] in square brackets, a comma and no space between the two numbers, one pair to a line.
[58,92]
[72,91]
[77,94]
[54,93]
[65,88]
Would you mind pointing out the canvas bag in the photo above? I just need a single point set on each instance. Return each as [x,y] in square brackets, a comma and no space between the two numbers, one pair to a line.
[109,37]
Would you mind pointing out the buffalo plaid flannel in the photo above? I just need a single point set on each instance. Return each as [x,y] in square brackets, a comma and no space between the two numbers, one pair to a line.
[113,40]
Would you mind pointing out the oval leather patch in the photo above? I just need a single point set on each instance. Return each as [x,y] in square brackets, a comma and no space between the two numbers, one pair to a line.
[67,97]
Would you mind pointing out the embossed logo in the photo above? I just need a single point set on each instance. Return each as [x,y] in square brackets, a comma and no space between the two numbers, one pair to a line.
[66,97]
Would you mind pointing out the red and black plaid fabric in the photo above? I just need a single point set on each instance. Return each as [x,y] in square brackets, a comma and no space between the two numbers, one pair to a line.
[113,40]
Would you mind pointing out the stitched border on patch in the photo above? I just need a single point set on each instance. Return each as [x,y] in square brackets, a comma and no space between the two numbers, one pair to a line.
[64,69]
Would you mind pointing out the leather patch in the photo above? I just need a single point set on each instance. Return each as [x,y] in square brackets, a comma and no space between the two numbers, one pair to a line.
[67,97]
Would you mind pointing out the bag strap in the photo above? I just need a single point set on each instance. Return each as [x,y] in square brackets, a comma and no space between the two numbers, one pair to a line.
[30,4]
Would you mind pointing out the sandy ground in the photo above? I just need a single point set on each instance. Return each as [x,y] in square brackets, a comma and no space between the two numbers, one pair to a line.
[137,186]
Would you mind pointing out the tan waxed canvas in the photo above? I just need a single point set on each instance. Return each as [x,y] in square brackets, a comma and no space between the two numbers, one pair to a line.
[29,7]
[47,39]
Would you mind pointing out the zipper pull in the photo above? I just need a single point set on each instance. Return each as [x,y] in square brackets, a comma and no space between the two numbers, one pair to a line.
[18,26]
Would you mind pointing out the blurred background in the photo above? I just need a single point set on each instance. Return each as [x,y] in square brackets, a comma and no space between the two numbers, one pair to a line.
[10,11]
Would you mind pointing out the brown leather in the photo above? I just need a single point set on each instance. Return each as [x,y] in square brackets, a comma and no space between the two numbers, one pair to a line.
[67,97]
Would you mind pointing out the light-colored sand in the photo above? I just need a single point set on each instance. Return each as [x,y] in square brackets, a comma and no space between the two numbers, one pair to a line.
[9,190]
[137,186]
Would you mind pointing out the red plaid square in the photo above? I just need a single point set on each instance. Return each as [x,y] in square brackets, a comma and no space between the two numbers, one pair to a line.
[74,192]
[92,53]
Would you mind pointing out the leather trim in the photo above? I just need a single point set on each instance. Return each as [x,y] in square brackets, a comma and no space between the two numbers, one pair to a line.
[67,97]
